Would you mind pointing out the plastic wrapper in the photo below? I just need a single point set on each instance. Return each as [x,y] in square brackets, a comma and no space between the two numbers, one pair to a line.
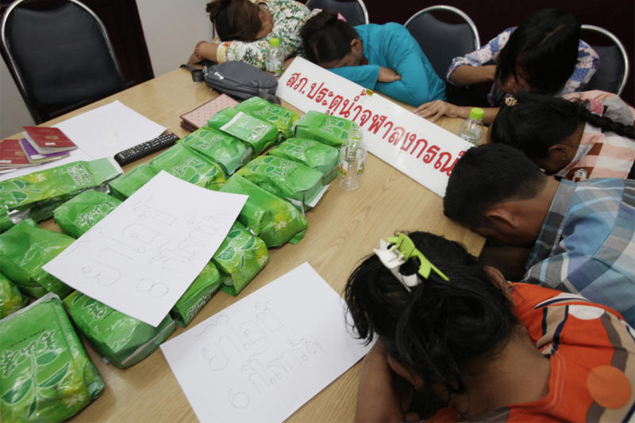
[11,299]
[271,218]
[257,133]
[189,166]
[24,249]
[240,257]
[327,129]
[46,375]
[228,151]
[197,295]
[119,338]
[82,212]
[36,195]
[310,153]
[284,178]
[262,109]
[128,183]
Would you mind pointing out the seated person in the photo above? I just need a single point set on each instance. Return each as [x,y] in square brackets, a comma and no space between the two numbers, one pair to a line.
[568,139]
[245,27]
[577,237]
[544,54]
[384,58]
[490,350]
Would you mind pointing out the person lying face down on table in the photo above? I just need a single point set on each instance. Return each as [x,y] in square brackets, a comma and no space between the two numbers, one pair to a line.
[489,349]
[574,237]
[384,58]
[544,54]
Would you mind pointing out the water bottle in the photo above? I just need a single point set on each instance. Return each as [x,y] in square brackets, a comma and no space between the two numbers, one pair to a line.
[275,57]
[472,129]
[352,160]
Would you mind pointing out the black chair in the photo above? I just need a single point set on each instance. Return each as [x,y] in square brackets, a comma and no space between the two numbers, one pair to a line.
[612,71]
[354,11]
[60,58]
[443,40]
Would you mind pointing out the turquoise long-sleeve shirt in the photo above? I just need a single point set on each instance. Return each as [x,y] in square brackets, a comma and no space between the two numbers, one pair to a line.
[391,46]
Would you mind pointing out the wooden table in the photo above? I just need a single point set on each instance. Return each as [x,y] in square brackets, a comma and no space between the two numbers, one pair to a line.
[343,228]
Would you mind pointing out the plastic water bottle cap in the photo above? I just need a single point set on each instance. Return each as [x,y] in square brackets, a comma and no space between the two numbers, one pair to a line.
[274,42]
[477,113]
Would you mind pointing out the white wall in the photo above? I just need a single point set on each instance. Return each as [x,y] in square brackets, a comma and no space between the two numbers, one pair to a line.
[13,111]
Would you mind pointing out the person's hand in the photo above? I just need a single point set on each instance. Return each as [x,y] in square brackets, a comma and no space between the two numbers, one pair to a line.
[436,109]
[388,75]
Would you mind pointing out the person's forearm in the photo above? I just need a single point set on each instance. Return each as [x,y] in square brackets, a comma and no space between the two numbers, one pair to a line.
[468,75]
[204,51]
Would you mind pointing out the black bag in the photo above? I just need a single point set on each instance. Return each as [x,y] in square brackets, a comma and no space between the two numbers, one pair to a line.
[240,80]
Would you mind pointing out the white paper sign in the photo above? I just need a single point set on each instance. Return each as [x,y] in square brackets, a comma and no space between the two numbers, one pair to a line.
[262,358]
[420,149]
[142,257]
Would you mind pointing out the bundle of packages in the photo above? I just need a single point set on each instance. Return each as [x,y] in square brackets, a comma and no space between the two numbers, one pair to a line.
[24,249]
[11,299]
[126,185]
[262,109]
[189,166]
[240,257]
[257,133]
[327,129]
[36,195]
[197,295]
[271,218]
[310,153]
[79,214]
[121,339]
[228,151]
[46,375]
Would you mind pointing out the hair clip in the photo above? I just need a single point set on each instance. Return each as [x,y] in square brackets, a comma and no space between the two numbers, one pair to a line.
[397,251]
[511,101]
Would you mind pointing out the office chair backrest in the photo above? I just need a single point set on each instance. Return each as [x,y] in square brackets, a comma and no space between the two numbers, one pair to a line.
[443,41]
[60,58]
[613,68]
[354,11]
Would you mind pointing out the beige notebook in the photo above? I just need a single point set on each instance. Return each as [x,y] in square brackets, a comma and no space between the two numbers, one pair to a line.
[198,117]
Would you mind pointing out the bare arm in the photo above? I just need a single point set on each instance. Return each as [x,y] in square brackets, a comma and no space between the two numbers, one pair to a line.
[469,75]
[436,109]
[206,51]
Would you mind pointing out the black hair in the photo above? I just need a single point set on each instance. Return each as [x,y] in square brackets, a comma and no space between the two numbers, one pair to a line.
[544,48]
[537,122]
[487,175]
[235,20]
[440,326]
[326,38]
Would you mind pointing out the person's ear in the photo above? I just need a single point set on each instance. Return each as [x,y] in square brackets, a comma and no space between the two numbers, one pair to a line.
[495,275]
[356,44]
[502,216]
[560,153]
[406,372]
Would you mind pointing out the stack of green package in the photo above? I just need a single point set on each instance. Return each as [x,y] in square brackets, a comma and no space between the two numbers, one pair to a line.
[37,194]
[257,133]
[126,185]
[121,339]
[79,214]
[262,109]
[228,151]
[271,218]
[11,299]
[189,166]
[45,374]
[24,249]
[310,153]
[330,130]
[240,257]
[197,295]
[284,178]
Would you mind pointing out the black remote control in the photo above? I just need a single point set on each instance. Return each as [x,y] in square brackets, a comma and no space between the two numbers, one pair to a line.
[145,148]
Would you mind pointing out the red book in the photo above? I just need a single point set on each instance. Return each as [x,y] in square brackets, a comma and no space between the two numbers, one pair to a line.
[12,155]
[48,140]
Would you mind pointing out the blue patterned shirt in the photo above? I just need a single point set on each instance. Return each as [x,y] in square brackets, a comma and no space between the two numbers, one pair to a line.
[586,244]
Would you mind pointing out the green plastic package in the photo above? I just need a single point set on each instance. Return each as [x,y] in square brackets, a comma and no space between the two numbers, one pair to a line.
[271,218]
[240,257]
[24,249]
[228,151]
[327,129]
[284,178]
[260,108]
[36,195]
[11,299]
[197,295]
[312,154]
[79,214]
[121,339]
[126,185]
[189,166]
[45,373]
[257,133]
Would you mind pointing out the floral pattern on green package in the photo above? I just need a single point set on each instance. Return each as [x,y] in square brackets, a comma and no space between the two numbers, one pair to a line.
[327,129]
[197,295]
[189,166]
[79,214]
[226,150]
[257,133]
[260,108]
[310,153]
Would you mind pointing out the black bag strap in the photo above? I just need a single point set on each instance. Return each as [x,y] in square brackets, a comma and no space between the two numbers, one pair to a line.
[197,74]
